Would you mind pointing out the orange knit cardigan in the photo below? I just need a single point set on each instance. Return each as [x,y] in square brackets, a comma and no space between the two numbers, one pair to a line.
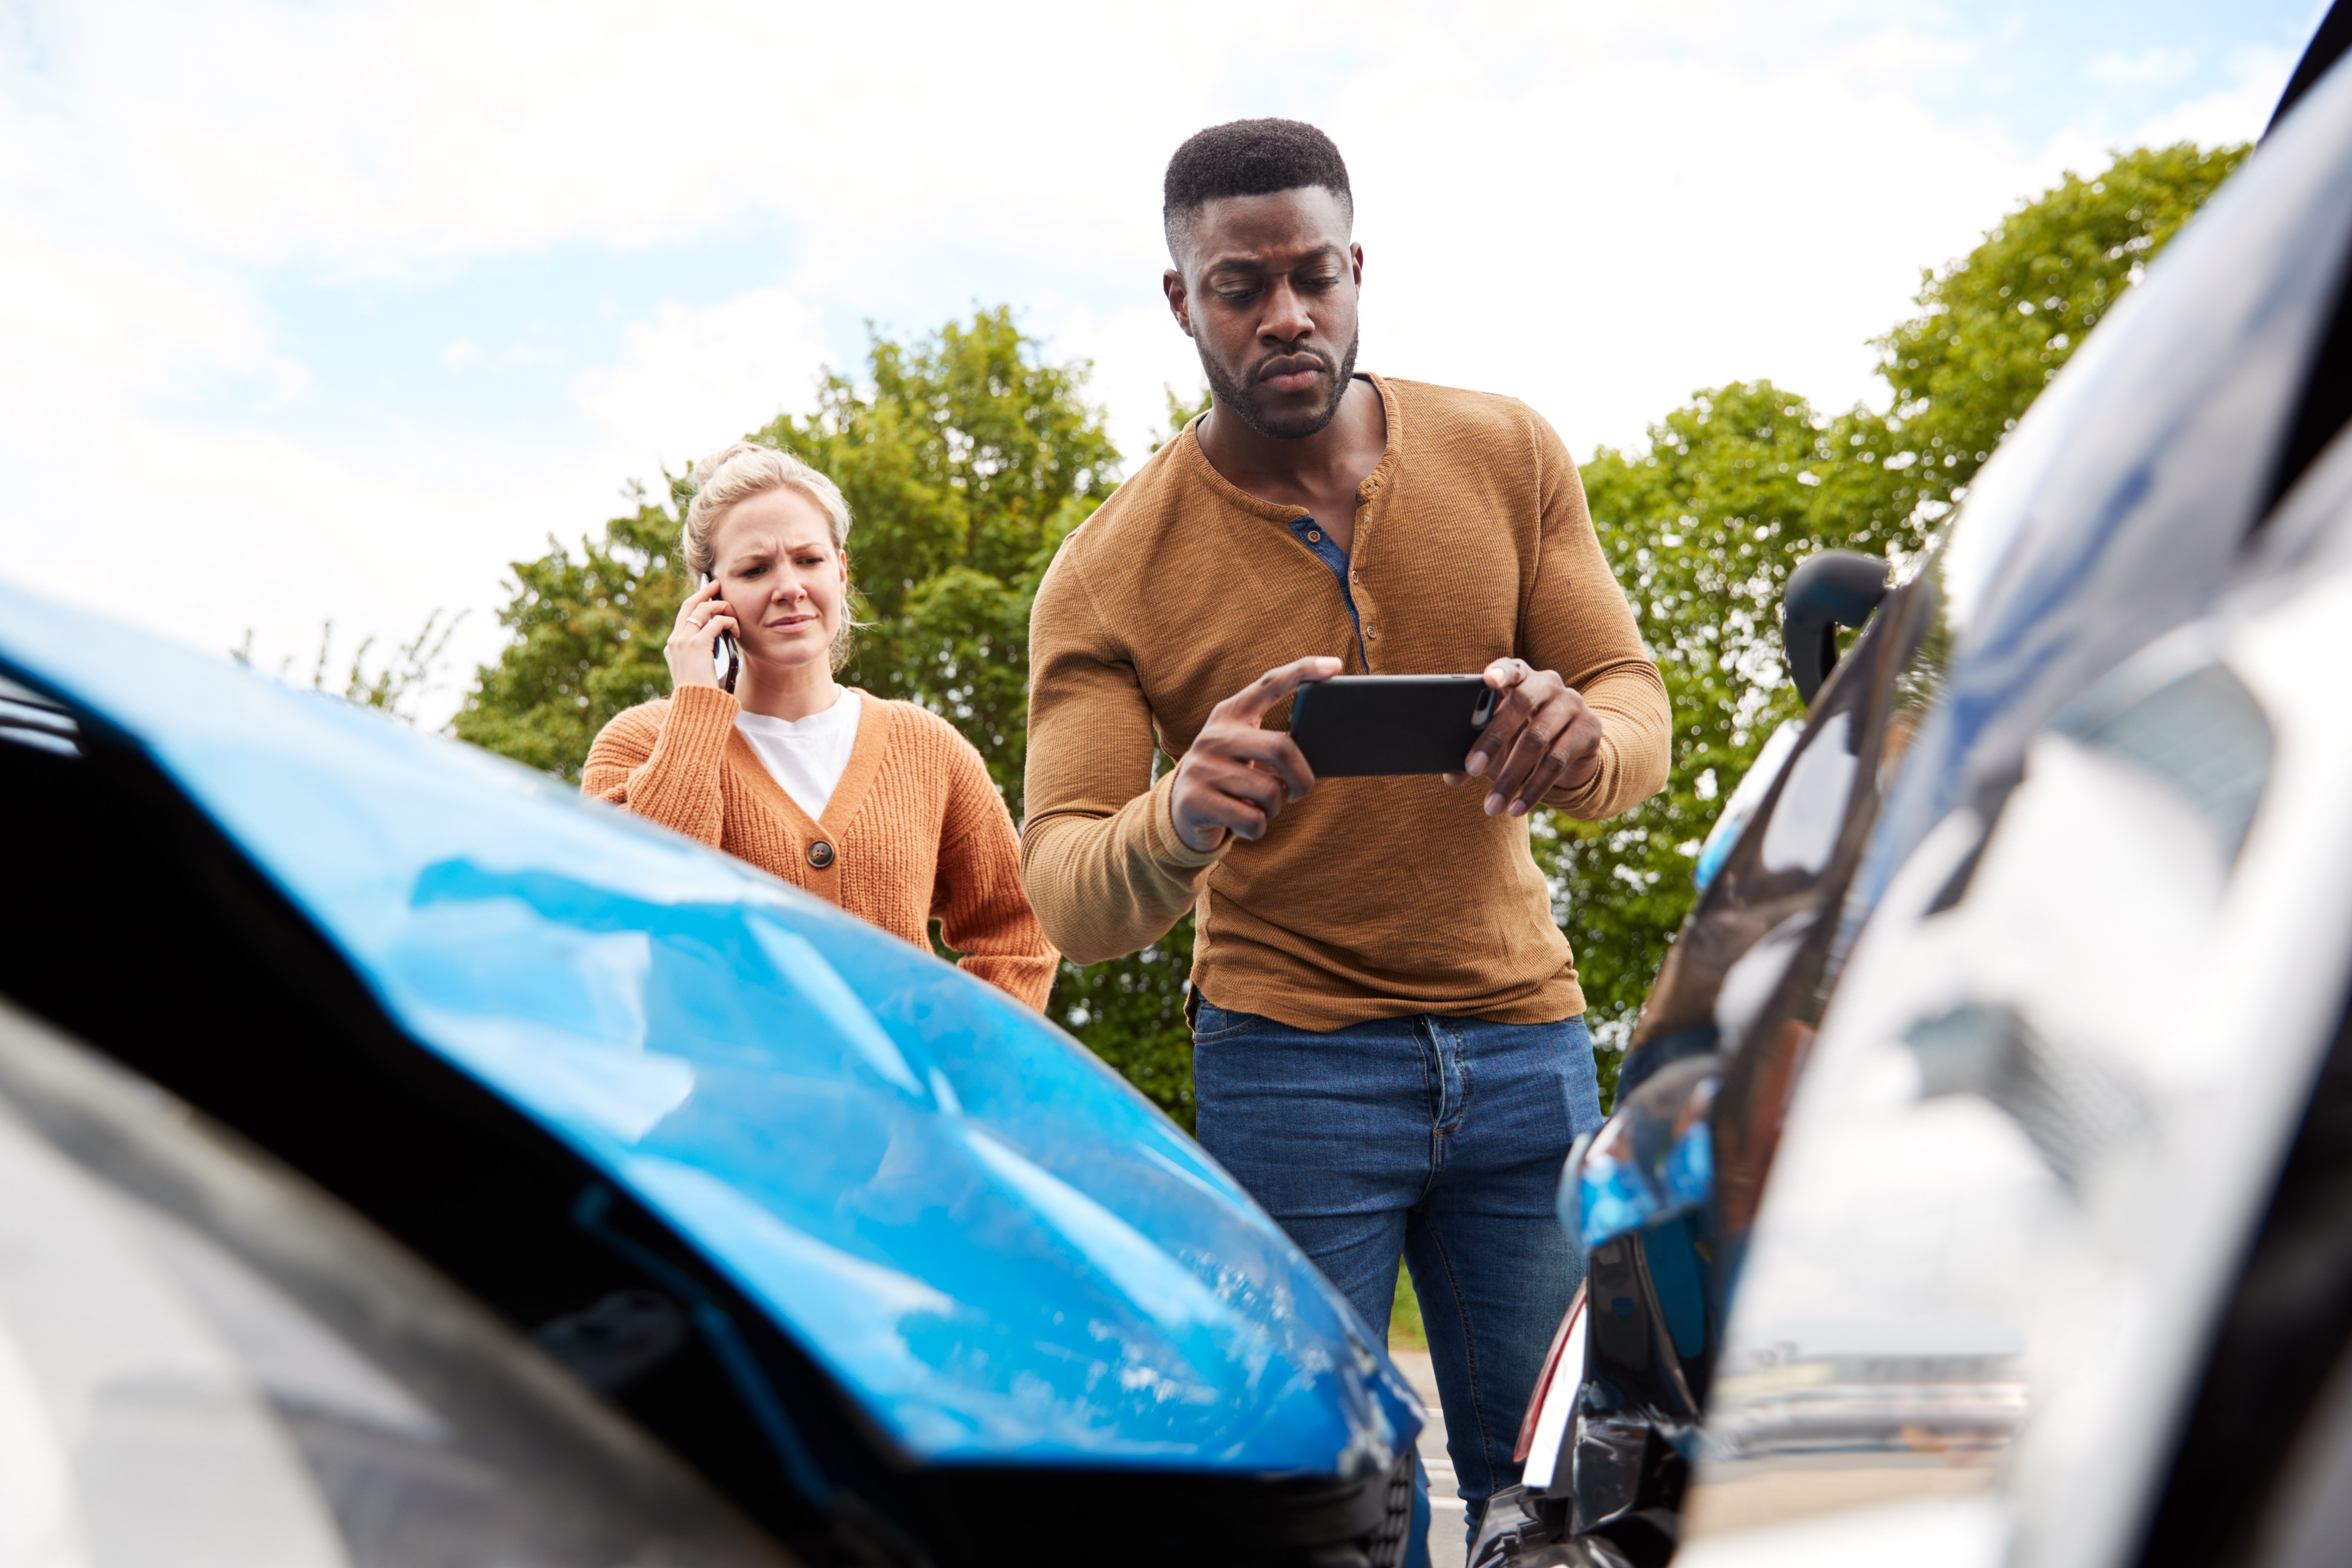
[915,830]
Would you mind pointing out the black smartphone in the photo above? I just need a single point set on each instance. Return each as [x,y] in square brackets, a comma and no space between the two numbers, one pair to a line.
[726,659]
[1357,726]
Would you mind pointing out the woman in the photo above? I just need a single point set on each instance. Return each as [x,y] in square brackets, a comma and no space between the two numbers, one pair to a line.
[879,808]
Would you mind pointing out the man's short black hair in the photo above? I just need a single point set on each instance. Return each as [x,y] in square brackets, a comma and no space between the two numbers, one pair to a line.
[1249,158]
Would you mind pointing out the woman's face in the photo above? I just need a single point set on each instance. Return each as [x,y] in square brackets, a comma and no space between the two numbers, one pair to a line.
[780,576]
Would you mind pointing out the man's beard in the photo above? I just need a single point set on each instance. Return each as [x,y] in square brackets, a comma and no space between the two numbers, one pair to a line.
[1242,400]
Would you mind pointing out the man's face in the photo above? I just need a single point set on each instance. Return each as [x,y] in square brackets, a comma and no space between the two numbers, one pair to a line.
[1267,292]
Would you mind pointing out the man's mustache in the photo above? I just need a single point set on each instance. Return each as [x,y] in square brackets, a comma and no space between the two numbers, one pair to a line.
[1289,363]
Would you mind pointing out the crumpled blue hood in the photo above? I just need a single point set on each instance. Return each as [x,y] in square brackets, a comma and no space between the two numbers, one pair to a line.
[1001,1249]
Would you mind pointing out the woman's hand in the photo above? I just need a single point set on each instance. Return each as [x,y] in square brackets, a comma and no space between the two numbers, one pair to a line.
[688,651]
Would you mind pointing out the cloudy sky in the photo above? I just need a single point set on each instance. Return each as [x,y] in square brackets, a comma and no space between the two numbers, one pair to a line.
[330,310]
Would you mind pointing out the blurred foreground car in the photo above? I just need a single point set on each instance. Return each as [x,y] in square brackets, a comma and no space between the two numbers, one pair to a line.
[2020,971]
[404,1164]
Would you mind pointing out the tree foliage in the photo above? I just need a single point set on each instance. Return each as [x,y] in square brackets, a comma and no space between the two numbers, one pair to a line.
[1734,489]
[398,683]
[588,632]
[1131,1009]
[1702,527]
[967,456]
[1992,329]
[966,459]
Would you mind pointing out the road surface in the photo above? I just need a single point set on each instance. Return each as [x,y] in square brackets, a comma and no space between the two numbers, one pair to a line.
[1445,1545]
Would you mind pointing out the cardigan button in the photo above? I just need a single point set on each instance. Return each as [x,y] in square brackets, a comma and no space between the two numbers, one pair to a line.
[820,854]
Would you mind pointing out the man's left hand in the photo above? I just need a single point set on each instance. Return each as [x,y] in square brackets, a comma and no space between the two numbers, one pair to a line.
[1542,736]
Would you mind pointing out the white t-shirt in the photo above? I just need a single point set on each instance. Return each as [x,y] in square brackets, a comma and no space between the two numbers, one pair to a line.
[805,755]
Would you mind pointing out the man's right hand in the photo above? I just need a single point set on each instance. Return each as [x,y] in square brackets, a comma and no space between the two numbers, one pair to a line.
[1236,777]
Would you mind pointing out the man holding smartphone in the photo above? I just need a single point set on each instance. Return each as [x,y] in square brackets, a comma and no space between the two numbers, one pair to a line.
[1390,1049]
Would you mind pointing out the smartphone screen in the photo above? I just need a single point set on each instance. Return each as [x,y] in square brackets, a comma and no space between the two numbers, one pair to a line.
[1366,725]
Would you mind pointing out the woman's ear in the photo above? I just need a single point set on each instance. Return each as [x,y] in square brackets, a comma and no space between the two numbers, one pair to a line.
[844,566]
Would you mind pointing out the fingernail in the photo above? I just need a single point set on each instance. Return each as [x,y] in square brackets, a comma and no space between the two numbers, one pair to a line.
[1518,808]
[1494,803]
[1477,763]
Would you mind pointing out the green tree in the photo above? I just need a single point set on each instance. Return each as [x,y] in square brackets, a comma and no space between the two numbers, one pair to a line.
[395,687]
[588,632]
[1734,489]
[966,458]
[1702,527]
[1994,327]
[1131,1010]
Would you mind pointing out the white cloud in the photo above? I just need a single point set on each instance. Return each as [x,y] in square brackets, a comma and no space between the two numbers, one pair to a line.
[210,533]
[2148,67]
[1596,208]
[1139,356]
[2236,114]
[1671,224]
[693,380]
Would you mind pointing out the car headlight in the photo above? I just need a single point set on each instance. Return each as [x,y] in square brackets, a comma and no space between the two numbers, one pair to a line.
[204,1359]
[2041,1123]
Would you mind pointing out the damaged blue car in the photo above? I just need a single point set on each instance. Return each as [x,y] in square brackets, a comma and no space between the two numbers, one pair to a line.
[404,1162]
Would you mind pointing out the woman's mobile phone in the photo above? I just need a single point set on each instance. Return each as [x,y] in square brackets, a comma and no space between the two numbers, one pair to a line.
[726,659]
[1356,726]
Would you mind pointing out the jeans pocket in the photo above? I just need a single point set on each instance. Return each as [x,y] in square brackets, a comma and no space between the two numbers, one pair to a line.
[1213,1024]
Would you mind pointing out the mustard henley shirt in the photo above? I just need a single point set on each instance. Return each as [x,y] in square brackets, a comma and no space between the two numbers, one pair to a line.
[1371,898]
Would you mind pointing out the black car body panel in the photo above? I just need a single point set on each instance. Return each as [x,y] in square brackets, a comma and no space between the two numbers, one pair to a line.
[2131,500]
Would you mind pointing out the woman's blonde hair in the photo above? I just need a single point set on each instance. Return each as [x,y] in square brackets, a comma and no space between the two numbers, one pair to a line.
[736,472]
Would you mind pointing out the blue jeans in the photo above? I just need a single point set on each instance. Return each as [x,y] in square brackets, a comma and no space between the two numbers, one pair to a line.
[1439,1140]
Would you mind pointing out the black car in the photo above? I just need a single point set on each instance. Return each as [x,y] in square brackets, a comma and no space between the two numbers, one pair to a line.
[1981,1185]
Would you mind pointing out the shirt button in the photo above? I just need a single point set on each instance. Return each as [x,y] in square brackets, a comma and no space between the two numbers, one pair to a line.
[1314,536]
[820,854]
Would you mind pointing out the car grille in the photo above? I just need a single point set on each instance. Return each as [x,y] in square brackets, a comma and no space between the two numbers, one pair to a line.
[1395,1533]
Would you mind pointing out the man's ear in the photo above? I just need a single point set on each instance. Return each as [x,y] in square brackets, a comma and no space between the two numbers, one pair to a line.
[1180,299]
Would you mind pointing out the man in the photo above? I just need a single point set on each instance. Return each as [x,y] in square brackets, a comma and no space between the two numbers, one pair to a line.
[1389,1051]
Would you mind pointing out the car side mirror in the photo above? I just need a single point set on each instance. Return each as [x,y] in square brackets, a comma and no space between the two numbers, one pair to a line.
[1835,588]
